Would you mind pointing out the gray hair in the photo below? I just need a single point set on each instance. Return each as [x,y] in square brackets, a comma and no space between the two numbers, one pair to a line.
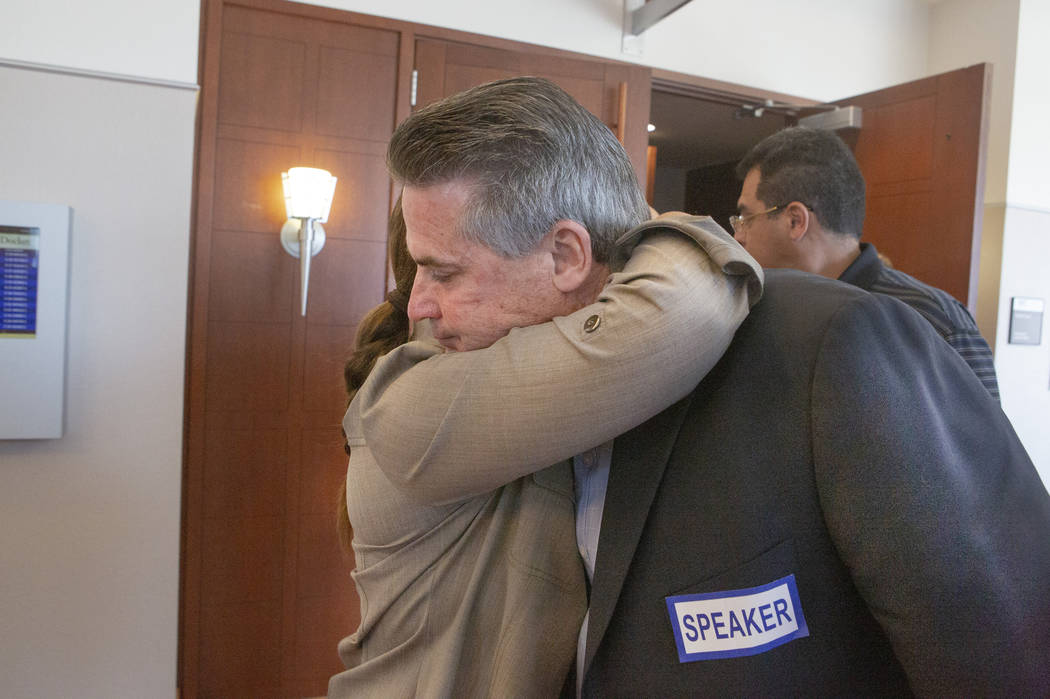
[532,156]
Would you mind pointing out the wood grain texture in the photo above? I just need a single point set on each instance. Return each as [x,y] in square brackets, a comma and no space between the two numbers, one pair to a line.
[266,592]
[921,149]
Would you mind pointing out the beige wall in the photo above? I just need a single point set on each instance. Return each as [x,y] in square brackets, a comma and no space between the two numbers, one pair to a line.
[155,39]
[1024,370]
[1015,250]
[819,49]
[89,524]
[964,32]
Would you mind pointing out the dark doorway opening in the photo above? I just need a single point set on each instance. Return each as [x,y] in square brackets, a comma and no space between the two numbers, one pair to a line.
[700,134]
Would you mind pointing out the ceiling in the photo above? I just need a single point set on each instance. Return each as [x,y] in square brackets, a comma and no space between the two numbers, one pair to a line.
[692,132]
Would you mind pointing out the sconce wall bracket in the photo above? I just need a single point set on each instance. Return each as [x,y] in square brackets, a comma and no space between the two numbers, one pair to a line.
[290,237]
[308,195]
[299,233]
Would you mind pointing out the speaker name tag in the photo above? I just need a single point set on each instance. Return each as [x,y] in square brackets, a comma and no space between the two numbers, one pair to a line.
[736,622]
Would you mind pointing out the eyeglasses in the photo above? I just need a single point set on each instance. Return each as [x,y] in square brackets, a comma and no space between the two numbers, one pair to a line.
[738,222]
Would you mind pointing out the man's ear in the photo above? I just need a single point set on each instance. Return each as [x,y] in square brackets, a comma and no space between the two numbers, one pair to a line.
[800,219]
[570,249]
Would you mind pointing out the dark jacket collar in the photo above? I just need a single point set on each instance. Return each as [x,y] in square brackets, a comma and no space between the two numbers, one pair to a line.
[639,459]
[865,270]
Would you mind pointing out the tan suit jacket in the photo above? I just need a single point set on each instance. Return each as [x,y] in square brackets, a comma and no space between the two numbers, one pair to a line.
[467,568]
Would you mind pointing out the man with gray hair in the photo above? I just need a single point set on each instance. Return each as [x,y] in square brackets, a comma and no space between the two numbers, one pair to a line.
[531,155]
[837,507]
[802,206]
[516,201]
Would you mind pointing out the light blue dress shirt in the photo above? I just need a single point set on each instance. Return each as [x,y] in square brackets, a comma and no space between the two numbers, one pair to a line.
[591,472]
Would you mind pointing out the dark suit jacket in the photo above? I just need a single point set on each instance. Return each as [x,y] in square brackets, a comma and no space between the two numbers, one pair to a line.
[840,441]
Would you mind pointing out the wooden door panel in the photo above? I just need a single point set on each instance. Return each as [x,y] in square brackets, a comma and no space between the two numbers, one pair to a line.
[363,181]
[318,486]
[889,214]
[588,92]
[909,126]
[586,81]
[250,197]
[249,279]
[345,77]
[921,149]
[445,68]
[244,473]
[552,65]
[314,640]
[465,77]
[240,651]
[248,366]
[239,565]
[957,201]
[267,593]
[463,66]
[430,71]
[262,81]
[350,281]
[321,570]
[482,57]
[328,349]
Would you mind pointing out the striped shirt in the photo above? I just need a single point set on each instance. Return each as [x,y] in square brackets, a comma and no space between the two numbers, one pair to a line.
[948,317]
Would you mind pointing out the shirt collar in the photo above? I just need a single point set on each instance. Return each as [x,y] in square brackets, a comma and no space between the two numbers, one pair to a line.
[865,270]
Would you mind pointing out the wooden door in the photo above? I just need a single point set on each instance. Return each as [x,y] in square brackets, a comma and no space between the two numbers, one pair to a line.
[922,151]
[617,93]
[266,592]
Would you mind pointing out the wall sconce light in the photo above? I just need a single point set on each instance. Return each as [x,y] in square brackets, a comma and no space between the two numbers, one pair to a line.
[308,195]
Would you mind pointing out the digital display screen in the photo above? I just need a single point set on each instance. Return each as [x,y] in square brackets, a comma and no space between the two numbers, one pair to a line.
[19,265]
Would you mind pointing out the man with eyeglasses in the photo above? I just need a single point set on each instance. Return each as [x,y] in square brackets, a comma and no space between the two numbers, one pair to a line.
[801,205]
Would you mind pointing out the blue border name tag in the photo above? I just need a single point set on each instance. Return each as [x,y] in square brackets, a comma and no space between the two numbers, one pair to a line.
[736,622]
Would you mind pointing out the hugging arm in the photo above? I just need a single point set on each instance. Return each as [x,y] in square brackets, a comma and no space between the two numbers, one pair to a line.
[459,424]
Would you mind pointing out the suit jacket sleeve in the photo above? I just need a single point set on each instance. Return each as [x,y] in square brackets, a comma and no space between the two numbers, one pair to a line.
[933,504]
[459,424]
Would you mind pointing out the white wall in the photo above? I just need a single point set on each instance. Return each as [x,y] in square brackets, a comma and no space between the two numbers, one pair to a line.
[147,38]
[1027,184]
[962,33]
[89,524]
[819,49]
[1015,250]
[1024,370]
[585,26]
[965,32]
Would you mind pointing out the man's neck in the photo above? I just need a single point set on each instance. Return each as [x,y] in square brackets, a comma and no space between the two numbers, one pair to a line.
[590,290]
[834,253]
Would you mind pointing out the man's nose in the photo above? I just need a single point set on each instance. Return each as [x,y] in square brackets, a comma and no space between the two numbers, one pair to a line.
[421,303]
